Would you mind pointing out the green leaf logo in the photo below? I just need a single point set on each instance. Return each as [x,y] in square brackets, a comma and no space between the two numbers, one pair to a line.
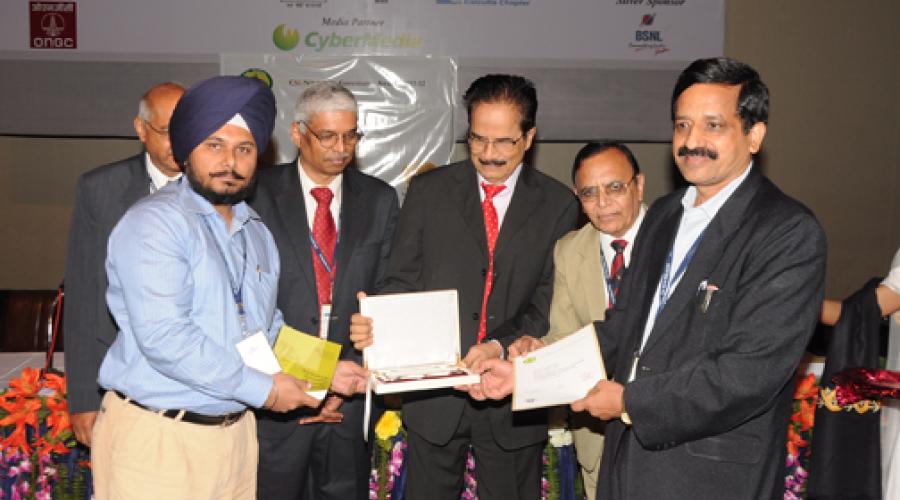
[285,38]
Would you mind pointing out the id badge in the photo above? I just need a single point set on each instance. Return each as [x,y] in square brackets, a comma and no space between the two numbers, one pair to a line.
[324,321]
[257,354]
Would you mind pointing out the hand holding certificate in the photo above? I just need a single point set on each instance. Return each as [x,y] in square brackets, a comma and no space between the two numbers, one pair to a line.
[559,373]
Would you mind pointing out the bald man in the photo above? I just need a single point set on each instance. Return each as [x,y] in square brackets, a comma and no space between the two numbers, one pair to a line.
[101,198]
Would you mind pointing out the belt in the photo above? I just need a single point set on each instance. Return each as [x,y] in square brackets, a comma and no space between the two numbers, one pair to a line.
[189,416]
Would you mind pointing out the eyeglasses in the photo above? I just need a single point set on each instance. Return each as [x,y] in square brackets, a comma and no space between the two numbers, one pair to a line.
[329,139]
[160,131]
[615,189]
[503,145]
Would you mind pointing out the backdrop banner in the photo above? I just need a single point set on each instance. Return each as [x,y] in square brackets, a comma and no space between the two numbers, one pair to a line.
[405,105]
[604,69]
[678,30]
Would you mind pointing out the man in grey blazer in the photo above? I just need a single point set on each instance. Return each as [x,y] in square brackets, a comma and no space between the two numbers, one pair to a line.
[101,198]
[321,453]
[721,298]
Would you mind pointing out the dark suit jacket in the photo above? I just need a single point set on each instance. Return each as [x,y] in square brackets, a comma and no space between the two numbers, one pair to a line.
[102,197]
[441,244]
[712,395]
[368,217]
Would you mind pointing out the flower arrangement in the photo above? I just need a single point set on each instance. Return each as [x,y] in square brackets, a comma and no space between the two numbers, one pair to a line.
[36,441]
[560,479]
[799,437]
[388,470]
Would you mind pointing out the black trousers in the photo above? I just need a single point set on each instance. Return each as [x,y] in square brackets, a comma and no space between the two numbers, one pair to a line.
[313,462]
[435,472]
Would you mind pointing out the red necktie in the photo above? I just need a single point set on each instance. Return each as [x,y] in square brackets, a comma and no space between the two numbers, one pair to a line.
[618,267]
[325,237]
[491,229]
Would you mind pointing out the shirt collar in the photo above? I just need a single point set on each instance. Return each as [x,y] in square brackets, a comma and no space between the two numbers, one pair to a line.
[196,202]
[711,206]
[606,239]
[158,178]
[306,183]
[510,182]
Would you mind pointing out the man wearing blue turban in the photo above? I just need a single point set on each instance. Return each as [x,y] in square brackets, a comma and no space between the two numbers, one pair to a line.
[193,273]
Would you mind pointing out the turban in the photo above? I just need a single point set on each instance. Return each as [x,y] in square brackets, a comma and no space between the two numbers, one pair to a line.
[210,104]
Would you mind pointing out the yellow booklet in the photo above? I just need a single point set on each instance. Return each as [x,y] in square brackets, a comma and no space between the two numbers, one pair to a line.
[307,357]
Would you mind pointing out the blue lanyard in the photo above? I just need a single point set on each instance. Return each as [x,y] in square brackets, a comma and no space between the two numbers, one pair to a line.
[321,255]
[236,283]
[667,280]
[607,279]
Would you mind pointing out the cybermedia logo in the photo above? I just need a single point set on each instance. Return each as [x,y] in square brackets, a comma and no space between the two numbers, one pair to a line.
[285,38]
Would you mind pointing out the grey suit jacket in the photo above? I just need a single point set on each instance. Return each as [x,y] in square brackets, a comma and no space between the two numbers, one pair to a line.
[368,217]
[441,244]
[102,197]
[712,395]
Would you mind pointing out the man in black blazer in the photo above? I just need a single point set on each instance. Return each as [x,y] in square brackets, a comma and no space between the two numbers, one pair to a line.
[327,444]
[101,198]
[720,300]
[708,378]
[443,242]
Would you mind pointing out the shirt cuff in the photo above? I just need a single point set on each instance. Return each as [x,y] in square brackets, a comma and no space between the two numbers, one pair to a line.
[254,388]
[626,419]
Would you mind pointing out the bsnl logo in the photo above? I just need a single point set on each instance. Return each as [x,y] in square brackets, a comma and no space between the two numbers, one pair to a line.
[647,35]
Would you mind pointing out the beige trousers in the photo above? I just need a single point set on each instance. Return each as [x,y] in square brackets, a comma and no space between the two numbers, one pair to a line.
[138,454]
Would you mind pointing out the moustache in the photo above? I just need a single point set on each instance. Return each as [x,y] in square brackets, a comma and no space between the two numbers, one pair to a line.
[339,157]
[709,153]
[231,173]
[495,163]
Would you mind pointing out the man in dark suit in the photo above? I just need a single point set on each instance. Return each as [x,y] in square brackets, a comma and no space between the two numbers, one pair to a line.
[720,300]
[302,203]
[101,198]
[496,248]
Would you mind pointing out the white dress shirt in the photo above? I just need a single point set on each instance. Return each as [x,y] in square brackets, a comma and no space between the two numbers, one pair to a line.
[693,223]
[157,178]
[503,198]
[606,240]
[307,184]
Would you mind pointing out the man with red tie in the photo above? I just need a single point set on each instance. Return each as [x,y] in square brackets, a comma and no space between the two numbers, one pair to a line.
[590,263]
[485,227]
[333,227]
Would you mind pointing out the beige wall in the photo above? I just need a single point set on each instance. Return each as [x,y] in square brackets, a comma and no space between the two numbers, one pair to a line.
[833,69]
[833,141]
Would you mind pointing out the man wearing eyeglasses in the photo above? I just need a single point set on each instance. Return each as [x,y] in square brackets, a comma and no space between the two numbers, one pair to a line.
[101,198]
[485,227]
[333,227]
[590,264]
[718,306]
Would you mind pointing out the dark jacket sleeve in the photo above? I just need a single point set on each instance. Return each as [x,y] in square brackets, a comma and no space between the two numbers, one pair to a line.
[85,291]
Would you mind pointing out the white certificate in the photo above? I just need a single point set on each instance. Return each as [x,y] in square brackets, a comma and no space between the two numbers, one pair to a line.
[559,373]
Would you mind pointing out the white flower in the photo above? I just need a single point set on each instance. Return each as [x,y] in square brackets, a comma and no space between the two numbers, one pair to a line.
[559,437]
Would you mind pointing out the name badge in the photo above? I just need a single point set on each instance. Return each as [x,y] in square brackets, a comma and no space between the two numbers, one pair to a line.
[324,321]
[257,354]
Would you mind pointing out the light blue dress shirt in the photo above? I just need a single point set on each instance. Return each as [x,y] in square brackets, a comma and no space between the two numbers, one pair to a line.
[170,294]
